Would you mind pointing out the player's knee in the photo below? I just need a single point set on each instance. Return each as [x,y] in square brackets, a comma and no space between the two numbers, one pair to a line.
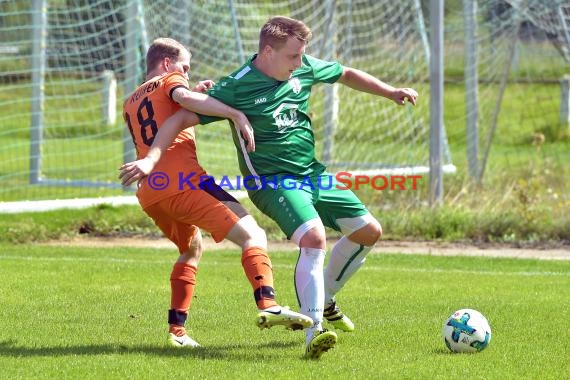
[246,233]
[195,249]
[314,238]
[193,254]
[197,246]
[368,235]
[373,233]
[257,237]
[377,227]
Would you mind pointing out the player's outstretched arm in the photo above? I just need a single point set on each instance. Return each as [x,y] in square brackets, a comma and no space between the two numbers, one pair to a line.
[362,81]
[135,170]
[201,103]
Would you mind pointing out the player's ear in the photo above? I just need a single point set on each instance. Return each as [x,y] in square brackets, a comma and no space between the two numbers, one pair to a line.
[166,63]
[267,50]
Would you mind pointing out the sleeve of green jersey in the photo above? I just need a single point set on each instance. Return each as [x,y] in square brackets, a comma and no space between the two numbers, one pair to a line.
[221,91]
[324,71]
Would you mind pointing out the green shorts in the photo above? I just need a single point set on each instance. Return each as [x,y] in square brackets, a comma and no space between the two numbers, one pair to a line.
[291,202]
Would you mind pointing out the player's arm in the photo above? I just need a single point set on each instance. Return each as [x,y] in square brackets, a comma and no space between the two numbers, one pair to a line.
[362,81]
[135,170]
[206,105]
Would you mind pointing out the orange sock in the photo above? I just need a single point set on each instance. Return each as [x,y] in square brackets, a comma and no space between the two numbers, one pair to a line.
[257,267]
[182,283]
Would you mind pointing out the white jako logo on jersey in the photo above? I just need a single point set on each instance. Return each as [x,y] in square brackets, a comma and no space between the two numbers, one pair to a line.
[295,85]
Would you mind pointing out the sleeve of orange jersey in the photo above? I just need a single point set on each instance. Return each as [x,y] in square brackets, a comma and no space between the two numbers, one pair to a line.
[173,81]
[169,83]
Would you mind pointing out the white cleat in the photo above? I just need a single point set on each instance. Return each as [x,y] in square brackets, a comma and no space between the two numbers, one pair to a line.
[275,316]
[181,341]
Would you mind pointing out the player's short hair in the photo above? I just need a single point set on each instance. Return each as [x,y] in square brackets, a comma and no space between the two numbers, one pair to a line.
[278,29]
[163,48]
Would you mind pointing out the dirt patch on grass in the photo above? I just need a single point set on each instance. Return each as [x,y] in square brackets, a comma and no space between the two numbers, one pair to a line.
[550,252]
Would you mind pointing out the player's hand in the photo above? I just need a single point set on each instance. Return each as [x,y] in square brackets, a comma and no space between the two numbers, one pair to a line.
[244,128]
[400,95]
[204,86]
[135,170]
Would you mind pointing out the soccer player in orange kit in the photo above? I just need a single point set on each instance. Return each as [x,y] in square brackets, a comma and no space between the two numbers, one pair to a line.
[180,208]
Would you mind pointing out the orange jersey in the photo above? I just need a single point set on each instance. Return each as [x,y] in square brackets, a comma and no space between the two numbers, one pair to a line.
[144,111]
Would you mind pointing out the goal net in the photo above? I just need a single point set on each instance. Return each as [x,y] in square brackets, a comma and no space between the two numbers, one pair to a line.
[66,65]
[513,53]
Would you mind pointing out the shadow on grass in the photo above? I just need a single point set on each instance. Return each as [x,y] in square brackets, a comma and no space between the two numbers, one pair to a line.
[445,351]
[238,351]
[442,351]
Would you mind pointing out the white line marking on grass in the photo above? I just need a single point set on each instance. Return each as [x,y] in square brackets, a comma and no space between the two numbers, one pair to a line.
[283,266]
[86,259]
[463,271]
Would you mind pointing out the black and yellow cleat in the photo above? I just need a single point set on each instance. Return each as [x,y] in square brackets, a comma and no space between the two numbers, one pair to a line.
[322,342]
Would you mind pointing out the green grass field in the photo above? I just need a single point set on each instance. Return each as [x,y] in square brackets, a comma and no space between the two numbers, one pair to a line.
[96,313]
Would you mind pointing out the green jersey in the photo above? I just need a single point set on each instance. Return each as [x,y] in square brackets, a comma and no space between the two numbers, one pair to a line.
[279,114]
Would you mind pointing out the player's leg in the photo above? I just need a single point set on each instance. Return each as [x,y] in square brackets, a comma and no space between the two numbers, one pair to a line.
[343,211]
[258,270]
[360,233]
[309,285]
[293,211]
[224,217]
[188,239]
[182,284]
[254,259]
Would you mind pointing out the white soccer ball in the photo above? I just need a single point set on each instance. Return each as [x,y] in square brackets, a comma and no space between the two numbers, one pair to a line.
[466,330]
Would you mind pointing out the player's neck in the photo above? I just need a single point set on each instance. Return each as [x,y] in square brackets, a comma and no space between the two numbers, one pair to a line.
[262,65]
[153,73]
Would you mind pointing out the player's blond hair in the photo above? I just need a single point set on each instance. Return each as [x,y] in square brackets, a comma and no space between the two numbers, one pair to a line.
[278,29]
[163,48]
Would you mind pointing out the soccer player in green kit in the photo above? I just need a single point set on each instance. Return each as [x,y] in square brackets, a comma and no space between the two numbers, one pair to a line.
[272,89]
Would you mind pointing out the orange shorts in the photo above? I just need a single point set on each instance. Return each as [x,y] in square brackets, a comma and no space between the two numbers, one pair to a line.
[211,209]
